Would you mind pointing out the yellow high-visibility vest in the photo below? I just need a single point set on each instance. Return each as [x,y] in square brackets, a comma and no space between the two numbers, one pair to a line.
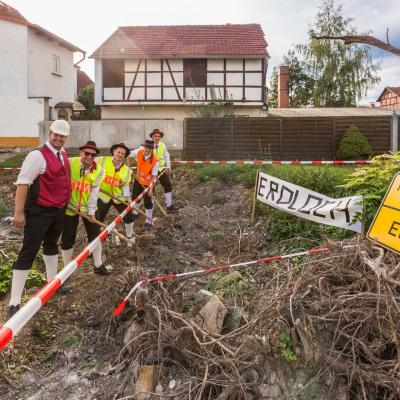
[160,154]
[113,180]
[82,185]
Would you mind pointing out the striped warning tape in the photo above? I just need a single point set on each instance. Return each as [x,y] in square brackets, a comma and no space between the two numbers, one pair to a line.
[122,305]
[257,162]
[270,162]
[18,321]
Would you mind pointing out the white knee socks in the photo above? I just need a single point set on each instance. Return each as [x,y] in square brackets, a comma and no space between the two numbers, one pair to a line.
[51,265]
[67,255]
[18,283]
[168,199]
[97,255]
[149,213]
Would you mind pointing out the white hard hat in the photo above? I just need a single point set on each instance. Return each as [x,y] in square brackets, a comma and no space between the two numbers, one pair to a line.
[61,127]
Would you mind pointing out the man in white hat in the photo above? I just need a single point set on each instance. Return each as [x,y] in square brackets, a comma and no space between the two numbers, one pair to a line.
[43,191]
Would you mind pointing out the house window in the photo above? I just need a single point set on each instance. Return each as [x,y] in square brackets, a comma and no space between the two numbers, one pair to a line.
[113,73]
[56,65]
[195,72]
[63,114]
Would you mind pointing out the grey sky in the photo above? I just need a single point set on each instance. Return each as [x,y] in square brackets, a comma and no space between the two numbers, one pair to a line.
[285,22]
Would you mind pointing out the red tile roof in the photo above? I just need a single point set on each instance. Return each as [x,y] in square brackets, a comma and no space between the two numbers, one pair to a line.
[10,14]
[394,89]
[230,40]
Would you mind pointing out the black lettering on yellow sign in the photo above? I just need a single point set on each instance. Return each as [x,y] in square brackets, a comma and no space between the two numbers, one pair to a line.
[394,228]
[385,228]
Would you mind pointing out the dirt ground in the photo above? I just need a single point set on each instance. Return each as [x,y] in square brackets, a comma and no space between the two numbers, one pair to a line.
[67,349]
[318,327]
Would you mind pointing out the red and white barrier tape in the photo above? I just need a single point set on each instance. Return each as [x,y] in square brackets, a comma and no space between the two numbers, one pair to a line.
[259,162]
[18,321]
[269,162]
[122,305]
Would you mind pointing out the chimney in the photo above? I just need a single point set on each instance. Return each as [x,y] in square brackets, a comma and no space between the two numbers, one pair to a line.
[283,86]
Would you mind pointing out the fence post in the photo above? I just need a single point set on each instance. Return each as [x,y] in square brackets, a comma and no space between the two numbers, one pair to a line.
[395,132]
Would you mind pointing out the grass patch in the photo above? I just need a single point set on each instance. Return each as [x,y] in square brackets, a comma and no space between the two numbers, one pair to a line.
[14,161]
[325,179]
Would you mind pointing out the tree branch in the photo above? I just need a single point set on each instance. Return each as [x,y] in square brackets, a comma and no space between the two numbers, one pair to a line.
[363,39]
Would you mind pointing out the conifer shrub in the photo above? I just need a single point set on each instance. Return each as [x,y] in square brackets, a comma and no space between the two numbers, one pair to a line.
[354,145]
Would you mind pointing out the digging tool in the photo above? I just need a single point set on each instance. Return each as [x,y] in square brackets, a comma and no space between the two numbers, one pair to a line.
[160,206]
[127,204]
[95,221]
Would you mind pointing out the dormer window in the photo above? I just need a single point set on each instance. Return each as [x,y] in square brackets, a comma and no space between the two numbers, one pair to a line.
[56,65]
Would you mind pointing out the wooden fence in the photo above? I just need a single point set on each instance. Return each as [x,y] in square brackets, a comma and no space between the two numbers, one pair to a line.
[289,138]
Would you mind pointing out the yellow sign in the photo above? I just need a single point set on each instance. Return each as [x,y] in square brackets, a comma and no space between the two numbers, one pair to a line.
[385,229]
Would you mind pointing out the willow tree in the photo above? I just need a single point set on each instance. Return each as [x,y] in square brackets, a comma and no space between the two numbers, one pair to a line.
[340,74]
[343,74]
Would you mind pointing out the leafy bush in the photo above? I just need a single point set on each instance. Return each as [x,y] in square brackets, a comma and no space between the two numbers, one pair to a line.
[372,182]
[35,277]
[354,145]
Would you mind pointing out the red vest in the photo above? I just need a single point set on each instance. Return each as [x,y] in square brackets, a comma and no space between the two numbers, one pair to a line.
[53,188]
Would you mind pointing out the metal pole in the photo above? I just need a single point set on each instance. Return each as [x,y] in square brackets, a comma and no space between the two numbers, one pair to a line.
[395,132]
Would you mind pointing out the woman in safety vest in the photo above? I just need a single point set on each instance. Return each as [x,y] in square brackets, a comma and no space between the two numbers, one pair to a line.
[114,188]
[86,176]
[165,163]
[146,169]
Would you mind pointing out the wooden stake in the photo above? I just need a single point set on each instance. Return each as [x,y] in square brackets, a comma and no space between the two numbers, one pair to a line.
[160,206]
[253,212]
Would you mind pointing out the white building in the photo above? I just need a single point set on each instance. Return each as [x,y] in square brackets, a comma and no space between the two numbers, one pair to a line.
[163,72]
[37,72]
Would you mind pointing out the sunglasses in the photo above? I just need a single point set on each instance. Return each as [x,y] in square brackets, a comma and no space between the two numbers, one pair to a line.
[89,154]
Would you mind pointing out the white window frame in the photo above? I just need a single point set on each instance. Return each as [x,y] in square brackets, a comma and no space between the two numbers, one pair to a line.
[56,65]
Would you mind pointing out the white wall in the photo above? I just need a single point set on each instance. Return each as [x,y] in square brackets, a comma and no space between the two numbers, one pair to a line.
[132,133]
[19,116]
[41,81]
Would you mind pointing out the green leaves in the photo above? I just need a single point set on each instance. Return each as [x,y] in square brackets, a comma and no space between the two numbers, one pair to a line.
[35,277]
[373,181]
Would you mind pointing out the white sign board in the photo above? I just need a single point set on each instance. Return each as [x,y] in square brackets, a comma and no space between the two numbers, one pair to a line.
[308,204]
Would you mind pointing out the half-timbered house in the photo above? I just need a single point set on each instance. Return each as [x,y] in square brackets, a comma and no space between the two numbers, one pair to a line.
[390,97]
[145,72]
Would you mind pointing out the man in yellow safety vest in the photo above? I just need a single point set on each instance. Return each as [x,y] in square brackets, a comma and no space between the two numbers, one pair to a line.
[86,176]
[114,188]
[165,163]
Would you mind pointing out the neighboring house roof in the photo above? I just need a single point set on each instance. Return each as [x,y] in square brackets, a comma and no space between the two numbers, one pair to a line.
[394,89]
[83,80]
[329,112]
[75,106]
[10,14]
[185,41]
